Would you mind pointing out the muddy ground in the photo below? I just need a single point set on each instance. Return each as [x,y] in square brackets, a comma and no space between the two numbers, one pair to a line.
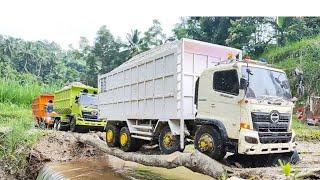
[309,152]
[62,147]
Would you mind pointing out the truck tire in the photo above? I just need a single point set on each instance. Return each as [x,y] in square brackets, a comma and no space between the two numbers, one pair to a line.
[208,140]
[168,143]
[127,143]
[42,124]
[59,127]
[112,135]
[73,126]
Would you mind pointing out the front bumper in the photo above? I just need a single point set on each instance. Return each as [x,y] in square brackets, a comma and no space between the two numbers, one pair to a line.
[83,122]
[269,148]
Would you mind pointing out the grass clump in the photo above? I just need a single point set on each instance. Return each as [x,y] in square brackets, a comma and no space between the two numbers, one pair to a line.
[17,140]
[147,175]
[304,131]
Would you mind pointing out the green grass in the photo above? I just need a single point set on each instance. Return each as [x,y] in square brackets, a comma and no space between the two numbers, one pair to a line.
[147,175]
[16,143]
[22,93]
[16,96]
[304,131]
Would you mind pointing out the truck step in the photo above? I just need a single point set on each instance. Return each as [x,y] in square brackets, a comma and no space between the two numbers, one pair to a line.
[142,137]
[142,127]
[142,133]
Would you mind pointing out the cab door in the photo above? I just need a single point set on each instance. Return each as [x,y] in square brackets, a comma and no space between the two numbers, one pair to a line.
[223,100]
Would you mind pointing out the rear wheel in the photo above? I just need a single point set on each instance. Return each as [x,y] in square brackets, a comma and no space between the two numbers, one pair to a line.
[127,143]
[209,141]
[42,124]
[112,135]
[73,126]
[59,126]
[168,143]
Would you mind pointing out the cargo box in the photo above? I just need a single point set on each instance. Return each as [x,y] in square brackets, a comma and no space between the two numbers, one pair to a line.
[39,104]
[159,83]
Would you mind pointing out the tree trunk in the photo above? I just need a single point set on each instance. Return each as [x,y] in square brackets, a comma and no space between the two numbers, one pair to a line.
[195,161]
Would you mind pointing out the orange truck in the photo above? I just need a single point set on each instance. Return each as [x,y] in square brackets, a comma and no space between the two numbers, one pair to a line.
[43,119]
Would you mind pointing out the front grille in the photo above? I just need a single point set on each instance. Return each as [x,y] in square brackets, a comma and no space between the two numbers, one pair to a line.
[89,117]
[280,137]
[265,117]
[269,127]
[271,132]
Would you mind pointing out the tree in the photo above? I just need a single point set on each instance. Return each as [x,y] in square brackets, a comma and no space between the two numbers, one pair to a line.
[252,34]
[107,50]
[134,42]
[153,36]
[208,29]
[291,29]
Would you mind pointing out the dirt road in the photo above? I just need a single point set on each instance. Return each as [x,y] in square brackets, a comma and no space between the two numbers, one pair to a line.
[309,152]
[63,147]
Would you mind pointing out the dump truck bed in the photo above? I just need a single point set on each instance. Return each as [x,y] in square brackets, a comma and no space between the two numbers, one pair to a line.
[39,103]
[65,97]
[159,83]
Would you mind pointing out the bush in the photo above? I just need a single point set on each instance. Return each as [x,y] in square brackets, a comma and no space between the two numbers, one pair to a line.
[16,143]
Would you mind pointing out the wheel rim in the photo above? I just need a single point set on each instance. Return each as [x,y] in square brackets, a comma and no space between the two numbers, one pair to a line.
[168,140]
[109,136]
[206,143]
[123,139]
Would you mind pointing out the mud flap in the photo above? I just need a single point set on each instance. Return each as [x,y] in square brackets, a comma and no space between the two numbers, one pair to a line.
[295,159]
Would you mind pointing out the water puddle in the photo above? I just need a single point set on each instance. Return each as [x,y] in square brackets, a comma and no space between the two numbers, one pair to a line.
[112,168]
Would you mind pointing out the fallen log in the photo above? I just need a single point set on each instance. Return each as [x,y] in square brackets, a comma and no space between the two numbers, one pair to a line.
[310,174]
[195,161]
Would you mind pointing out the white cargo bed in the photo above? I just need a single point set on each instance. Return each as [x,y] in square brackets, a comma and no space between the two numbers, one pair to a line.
[158,84]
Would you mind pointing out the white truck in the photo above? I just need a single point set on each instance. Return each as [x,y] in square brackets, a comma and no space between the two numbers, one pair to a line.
[197,90]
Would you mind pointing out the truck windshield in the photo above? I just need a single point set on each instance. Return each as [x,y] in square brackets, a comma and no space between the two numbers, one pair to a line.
[88,99]
[266,83]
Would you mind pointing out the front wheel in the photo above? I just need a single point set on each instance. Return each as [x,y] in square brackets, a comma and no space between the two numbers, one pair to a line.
[168,143]
[208,140]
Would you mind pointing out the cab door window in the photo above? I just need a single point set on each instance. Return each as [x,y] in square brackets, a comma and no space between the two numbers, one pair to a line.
[226,82]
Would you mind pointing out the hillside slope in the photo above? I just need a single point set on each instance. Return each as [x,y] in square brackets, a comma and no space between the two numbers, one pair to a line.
[305,55]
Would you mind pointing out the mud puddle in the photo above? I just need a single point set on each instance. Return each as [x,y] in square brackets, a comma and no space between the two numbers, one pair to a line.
[112,168]
[88,168]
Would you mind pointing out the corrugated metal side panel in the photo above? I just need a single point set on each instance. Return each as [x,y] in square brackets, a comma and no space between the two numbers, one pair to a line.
[39,103]
[62,102]
[35,106]
[142,89]
[65,97]
[153,85]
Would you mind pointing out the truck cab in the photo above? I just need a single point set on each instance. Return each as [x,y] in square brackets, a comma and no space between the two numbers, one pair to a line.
[243,107]
[77,106]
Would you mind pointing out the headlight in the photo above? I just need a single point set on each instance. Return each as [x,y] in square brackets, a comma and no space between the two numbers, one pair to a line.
[251,140]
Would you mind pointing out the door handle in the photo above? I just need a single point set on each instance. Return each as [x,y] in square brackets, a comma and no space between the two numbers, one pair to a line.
[212,105]
[227,96]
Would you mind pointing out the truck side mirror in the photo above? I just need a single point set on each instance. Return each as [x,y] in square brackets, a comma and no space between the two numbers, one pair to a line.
[243,83]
